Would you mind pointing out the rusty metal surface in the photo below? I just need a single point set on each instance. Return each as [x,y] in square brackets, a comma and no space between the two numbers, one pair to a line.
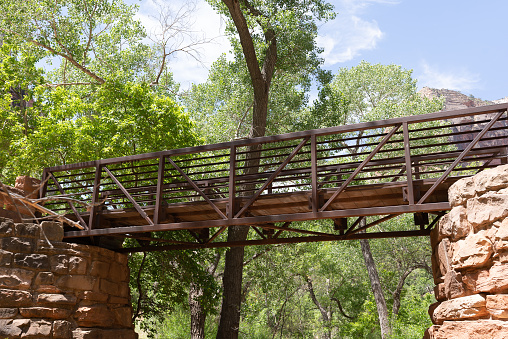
[382,168]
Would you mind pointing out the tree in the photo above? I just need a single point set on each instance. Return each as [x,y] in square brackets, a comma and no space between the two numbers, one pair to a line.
[271,37]
[374,92]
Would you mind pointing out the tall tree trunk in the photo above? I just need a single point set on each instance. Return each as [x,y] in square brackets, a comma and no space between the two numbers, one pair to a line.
[375,285]
[232,286]
[198,315]
[261,79]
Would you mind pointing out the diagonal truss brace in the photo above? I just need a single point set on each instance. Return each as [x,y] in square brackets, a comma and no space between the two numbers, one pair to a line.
[76,213]
[461,156]
[272,177]
[359,168]
[198,190]
[131,199]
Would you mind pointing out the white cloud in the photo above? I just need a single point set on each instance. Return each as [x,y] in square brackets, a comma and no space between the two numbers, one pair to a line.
[348,35]
[459,80]
[347,38]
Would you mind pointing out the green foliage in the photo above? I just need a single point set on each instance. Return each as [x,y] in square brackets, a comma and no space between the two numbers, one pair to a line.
[224,102]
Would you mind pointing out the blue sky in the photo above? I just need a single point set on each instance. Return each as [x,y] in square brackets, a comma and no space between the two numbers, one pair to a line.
[459,45]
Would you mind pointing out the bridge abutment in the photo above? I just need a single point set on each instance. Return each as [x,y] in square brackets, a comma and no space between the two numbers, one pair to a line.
[52,289]
[470,260]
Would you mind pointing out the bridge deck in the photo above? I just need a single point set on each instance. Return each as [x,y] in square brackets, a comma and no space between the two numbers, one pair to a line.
[382,168]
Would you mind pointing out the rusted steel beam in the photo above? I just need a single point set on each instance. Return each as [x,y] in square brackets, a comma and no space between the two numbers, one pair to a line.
[462,155]
[409,165]
[362,165]
[273,241]
[270,179]
[429,207]
[129,197]
[160,186]
[197,189]
[74,210]
[92,220]
[295,135]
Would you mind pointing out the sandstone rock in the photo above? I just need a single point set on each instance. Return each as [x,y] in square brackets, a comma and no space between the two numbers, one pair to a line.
[5,258]
[119,272]
[474,251]
[17,245]
[480,329]
[123,316]
[60,264]
[27,230]
[443,256]
[8,313]
[45,312]
[439,292]
[497,305]
[94,316]
[492,179]
[38,329]
[501,236]
[470,307]
[62,329]
[459,224]
[430,333]
[33,261]
[454,288]
[9,328]
[56,299]
[44,278]
[485,210]
[77,265]
[13,298]
[53,231]
[87,333]
[76,282]
[16,278]
[109,287]
[118,300]
[6,228]
[496,281]
[460,191]
[100,269]
[431,310]
[92,296]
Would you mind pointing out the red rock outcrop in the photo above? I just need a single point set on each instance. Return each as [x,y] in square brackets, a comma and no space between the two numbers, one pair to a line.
[470,260]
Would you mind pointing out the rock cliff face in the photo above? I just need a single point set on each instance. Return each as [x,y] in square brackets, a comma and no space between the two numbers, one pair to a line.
[454,100]
[463,131]
[470,260]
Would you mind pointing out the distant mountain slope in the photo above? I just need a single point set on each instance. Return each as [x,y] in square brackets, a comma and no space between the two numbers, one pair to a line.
[465,133]
[456,100]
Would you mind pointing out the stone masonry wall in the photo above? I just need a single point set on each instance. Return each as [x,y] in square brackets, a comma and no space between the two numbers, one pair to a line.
[52,289]
[470,260]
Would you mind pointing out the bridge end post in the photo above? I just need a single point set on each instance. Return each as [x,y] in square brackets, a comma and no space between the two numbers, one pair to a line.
[470,260]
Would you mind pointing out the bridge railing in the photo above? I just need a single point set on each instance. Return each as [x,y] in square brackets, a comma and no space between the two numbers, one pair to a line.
[232,178]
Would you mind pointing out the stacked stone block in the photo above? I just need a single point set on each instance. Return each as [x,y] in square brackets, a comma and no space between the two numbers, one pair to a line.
[470,260]
[52,289]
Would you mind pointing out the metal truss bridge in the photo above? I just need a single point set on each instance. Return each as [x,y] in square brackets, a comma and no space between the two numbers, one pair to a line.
[357,176]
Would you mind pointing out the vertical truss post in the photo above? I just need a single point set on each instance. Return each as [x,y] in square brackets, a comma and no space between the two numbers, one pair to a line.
[313,165]
[409,170]
[44,188]
[160,185]
[232,179]
[92,220]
